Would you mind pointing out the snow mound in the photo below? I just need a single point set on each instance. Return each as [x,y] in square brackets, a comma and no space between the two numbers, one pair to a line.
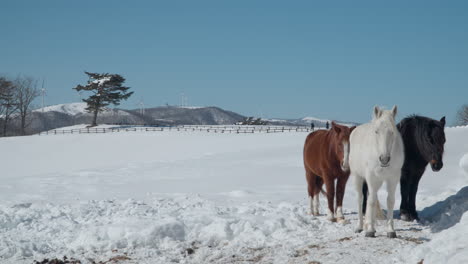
[448,246]
[163,229]
[464,163]
[70,109]
[185,229]
[447,213]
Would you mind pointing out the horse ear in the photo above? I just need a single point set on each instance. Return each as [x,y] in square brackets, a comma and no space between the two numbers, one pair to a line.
[394,111]
[442,120]
[335,127]
[377,112]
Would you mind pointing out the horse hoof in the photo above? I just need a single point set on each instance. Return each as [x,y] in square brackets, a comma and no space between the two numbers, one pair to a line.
[358,230]
[333,220]
[341,220]
[370,234]
[391,234]
[406,217]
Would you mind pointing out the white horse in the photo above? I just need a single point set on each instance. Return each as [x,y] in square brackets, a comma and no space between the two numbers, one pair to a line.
[376,156]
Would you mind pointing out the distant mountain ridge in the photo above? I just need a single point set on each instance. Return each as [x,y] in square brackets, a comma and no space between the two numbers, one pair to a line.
[63,115]
[307,121]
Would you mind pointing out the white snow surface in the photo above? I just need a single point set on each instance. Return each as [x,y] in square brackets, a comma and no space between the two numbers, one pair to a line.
[191,107]
[101,81]
[230,198]
[464,163]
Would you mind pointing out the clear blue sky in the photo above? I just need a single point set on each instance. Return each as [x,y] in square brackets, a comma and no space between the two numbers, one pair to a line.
[330,59]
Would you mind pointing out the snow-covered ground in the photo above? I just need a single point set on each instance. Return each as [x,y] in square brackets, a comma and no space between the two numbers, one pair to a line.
[194,197]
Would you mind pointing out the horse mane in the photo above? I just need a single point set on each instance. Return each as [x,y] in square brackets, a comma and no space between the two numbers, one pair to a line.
[414,128]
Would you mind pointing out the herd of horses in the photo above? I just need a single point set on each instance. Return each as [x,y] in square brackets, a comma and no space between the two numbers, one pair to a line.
[371,154]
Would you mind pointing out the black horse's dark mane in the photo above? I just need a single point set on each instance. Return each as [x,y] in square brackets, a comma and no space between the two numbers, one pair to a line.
[415,127]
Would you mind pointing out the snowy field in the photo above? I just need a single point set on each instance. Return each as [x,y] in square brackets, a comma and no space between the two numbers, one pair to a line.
[196,197]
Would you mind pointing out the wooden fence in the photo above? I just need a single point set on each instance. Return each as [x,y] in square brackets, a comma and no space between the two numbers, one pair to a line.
[237,129]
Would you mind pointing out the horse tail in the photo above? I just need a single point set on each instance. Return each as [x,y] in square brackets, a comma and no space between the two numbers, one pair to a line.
[365,191]
[319,185]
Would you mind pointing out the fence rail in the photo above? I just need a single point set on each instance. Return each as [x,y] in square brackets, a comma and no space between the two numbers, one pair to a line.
[236,129]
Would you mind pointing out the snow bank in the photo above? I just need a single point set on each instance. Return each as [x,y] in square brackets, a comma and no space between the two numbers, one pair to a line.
[449,246]
[464,163]
[447,213]
[164,230]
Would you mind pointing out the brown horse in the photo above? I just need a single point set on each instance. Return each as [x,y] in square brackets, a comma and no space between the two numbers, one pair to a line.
[326,160]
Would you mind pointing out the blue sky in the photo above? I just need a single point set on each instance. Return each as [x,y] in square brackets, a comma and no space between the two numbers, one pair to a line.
[289,59]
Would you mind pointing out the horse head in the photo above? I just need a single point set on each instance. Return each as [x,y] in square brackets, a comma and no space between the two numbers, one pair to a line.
[385,133]
[436,139]
[341,135]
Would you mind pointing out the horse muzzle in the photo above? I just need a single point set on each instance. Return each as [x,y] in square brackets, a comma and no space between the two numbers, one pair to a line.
[436,165]
[384,161]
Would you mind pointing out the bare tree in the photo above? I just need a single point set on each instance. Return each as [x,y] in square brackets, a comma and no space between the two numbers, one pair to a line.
[26,92]
[8,102]
[462,115]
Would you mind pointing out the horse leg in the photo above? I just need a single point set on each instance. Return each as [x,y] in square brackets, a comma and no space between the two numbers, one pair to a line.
[391,188]
[330,186]
[311,178]
[358,182]
[405,190]
[340,190]
[318,189]
[374,186]
[412,198]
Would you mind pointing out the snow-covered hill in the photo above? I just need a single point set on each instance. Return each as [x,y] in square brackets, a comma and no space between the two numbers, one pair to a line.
[74,109]
[306,121]
[188,197]
[63,115]
[69,109]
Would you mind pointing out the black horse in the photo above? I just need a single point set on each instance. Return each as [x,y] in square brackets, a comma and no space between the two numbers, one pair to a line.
[424,140]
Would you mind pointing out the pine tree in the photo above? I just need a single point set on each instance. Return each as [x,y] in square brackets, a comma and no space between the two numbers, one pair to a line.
[107,89]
